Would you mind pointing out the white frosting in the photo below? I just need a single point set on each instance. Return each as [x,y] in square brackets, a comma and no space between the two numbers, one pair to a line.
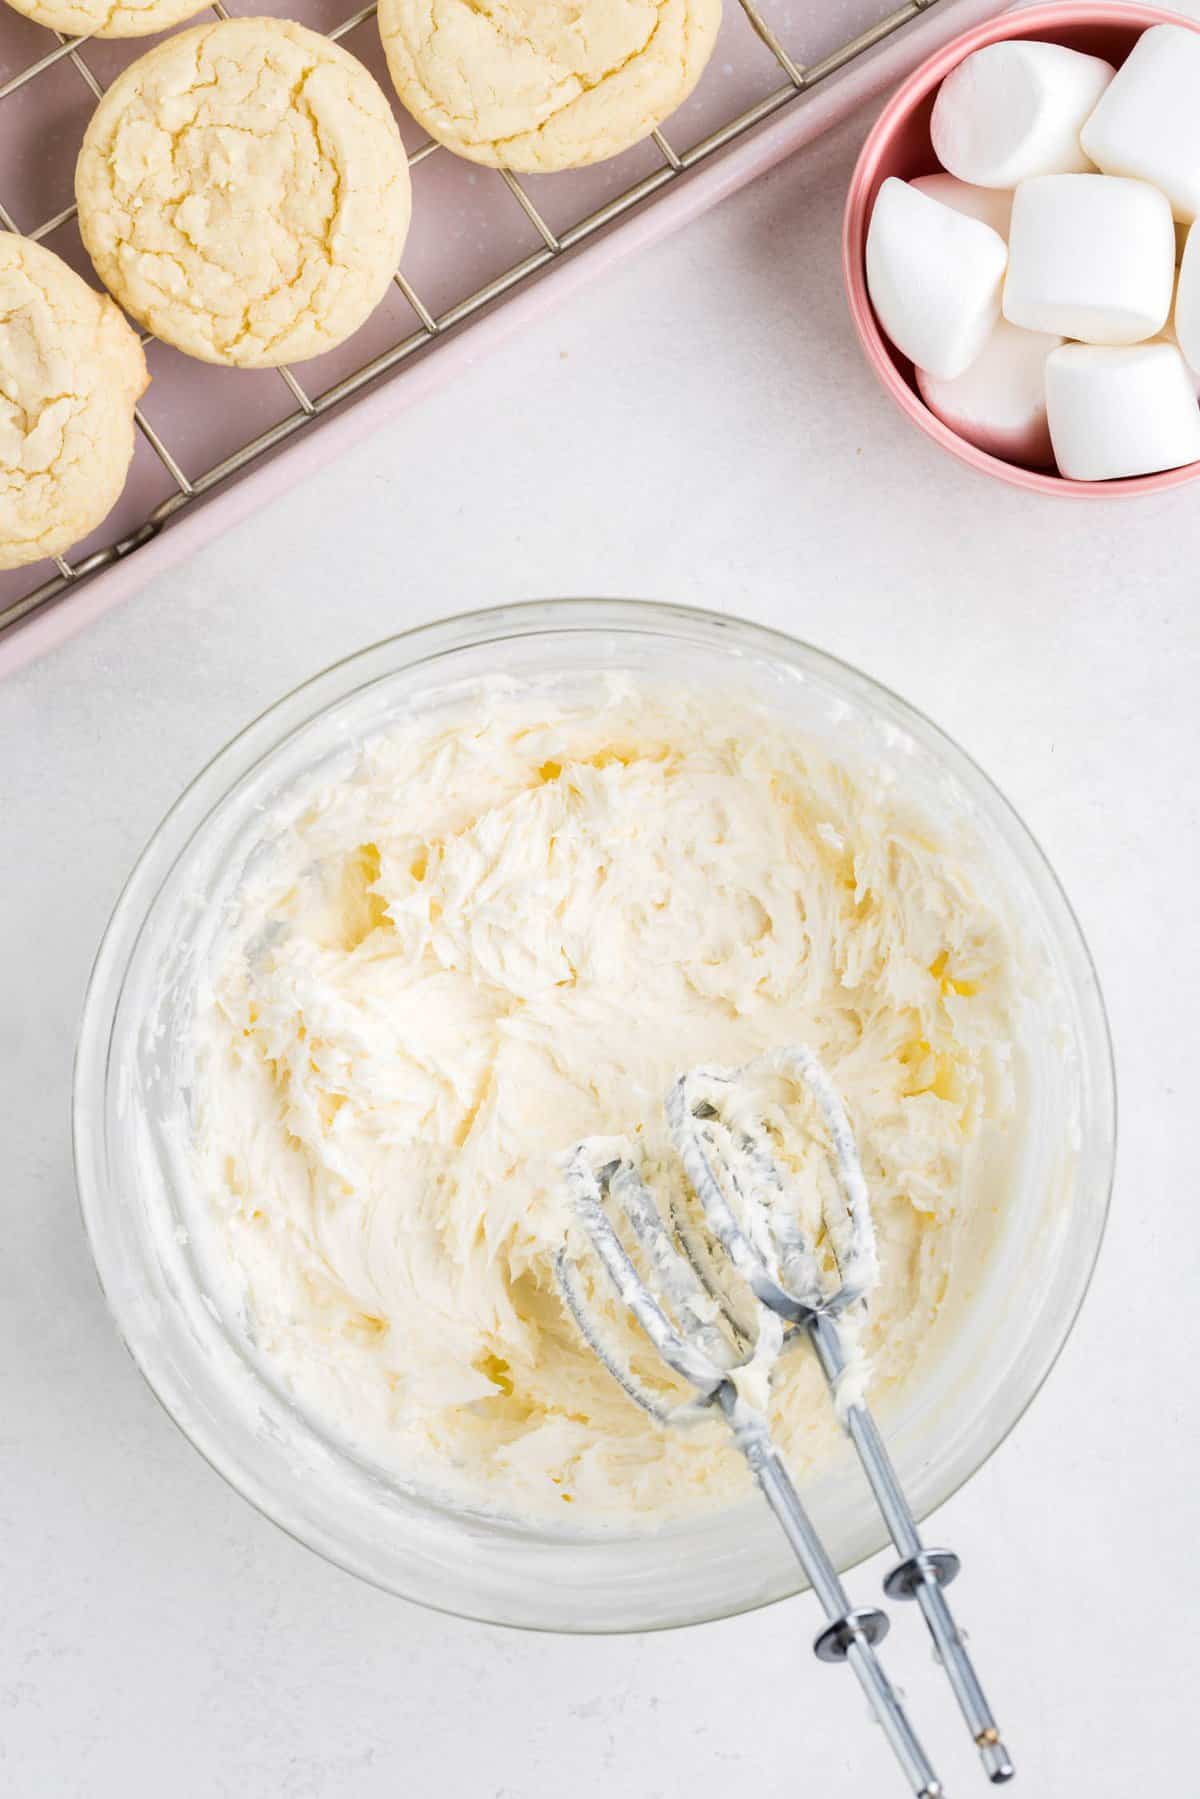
[507,929]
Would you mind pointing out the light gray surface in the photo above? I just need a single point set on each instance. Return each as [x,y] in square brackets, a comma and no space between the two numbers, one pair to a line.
[699,428]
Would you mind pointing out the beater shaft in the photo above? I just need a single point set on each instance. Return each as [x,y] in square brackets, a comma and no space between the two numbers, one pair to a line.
[922,1573]
[850,1635]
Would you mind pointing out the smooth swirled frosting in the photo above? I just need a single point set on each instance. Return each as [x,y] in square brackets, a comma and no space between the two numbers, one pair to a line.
[505,929]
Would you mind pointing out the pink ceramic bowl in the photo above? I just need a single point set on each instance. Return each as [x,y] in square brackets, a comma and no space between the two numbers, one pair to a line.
[899,145]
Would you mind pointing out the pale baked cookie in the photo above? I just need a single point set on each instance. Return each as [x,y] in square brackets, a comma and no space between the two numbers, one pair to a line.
[244,193]
[71,372]
[545,84]
[108,18]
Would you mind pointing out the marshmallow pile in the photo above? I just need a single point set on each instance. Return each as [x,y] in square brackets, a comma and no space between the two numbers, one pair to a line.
[1032,282]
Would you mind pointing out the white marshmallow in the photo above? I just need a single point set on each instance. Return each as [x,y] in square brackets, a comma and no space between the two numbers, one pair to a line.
[1186,316]
[1170,335]
[990,205]
[1090,256]
[1120,411]
[1014,109]
[934,278]
[1000,402]
[1148,122]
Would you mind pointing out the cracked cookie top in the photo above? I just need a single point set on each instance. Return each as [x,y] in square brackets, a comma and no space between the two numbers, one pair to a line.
[71,372]
[545,84]
[244,193]
[108,18]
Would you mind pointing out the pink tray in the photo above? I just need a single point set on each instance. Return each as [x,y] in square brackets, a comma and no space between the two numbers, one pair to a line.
[485,253]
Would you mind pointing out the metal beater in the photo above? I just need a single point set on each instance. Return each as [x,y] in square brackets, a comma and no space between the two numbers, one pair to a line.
[725,1342]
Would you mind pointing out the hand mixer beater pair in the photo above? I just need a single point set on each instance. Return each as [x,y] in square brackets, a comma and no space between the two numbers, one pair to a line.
[719,1300]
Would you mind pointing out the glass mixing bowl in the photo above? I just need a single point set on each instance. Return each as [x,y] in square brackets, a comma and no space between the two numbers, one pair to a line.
[130,1128]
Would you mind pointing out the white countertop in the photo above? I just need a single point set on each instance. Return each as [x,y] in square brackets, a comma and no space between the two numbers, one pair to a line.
[702,428]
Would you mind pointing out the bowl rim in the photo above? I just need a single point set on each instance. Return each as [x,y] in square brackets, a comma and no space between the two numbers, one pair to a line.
[1024,21]
[130,913]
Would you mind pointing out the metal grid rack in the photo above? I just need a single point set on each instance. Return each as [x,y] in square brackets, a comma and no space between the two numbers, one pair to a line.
[428,327]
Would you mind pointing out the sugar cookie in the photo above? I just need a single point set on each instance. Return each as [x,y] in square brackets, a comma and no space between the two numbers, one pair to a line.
[71,372]
[545,84]
[244,193]
[108,18]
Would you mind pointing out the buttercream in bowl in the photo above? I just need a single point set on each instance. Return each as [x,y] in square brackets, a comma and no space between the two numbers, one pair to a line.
[506,926]
[484,891]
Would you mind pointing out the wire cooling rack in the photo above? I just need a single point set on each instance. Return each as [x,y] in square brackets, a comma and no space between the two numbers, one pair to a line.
[478,235]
